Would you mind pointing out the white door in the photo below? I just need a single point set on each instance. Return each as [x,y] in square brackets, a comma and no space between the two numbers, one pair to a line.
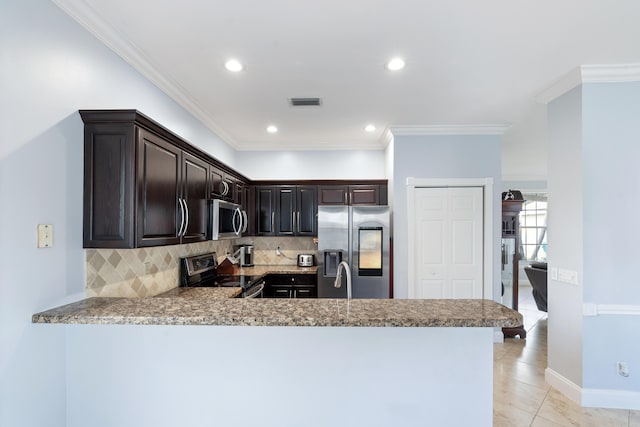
[449,243]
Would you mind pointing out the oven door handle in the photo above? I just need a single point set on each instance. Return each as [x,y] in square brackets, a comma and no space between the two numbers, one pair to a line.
[255,294]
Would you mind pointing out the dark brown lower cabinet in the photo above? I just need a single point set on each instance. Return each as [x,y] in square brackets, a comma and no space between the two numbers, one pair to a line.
[291,286]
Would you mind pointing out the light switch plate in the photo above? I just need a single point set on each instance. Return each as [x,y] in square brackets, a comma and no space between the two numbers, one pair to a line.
[568,276]
[45,235]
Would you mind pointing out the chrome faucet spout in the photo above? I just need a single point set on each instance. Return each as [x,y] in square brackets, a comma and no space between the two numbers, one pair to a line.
[338,282]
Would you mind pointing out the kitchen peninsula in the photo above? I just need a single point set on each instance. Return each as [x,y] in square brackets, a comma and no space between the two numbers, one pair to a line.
[270,362]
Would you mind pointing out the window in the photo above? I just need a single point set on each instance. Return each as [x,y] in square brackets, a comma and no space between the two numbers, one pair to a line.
[533,227]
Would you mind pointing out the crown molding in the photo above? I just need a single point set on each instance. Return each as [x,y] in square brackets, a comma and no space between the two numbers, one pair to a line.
[386,138]
[88,18]
[320,146]
[614,73]
[410,130]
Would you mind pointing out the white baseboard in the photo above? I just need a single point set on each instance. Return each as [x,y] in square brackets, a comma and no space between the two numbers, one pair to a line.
[618,399]
[563,385]
[593,398]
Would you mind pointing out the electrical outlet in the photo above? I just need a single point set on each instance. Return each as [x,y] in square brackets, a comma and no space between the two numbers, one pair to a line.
[45,235]
[622,368]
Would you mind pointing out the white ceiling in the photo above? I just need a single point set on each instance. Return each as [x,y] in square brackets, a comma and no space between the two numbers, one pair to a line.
[468,62]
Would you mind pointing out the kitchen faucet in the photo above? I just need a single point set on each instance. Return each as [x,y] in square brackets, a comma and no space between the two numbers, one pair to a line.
[338,282]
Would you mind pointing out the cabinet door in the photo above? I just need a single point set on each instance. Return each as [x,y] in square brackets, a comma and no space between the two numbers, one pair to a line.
[265,211]
[333,194]
[195,194]
[158,213]
[281,292]
[364,194]
[109,196]
[216,179]
[285,211]
[305,292]
[307,209]
[230,193]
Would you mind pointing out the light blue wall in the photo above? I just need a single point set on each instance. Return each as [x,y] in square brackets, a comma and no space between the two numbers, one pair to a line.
[594,199]
[611,156]
[564,228]
[441,157]
[51,67]
[611,149]
[348,164]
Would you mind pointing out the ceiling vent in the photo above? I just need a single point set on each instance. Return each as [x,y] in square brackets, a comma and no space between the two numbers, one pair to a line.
[305,102]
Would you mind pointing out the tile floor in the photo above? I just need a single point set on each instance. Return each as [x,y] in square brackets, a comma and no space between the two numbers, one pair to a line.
[521,397]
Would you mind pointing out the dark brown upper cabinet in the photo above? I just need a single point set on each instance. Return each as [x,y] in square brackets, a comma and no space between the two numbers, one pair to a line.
[286,210]
[265,211]
[141,188]
[352,194]
[224,185]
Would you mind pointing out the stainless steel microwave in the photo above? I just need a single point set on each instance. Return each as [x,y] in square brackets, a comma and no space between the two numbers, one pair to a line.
[227,220]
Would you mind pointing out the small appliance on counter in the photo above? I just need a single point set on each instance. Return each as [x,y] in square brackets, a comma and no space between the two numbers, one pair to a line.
[246,255]
[306,260]
[201,271]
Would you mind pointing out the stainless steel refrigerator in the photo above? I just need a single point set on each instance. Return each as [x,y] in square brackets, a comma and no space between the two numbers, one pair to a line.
[358,235]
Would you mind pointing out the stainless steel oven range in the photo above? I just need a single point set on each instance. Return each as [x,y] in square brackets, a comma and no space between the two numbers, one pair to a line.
[201,271]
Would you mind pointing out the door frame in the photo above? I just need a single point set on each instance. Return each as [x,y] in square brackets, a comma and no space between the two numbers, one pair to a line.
[487,229]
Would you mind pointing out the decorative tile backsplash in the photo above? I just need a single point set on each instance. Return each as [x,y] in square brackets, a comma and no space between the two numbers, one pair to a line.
[264,249]
[149,271]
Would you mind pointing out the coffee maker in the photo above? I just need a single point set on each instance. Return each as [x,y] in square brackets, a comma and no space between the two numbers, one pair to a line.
[245,255]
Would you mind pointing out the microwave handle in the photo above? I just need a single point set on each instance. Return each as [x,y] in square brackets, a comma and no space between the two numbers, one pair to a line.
[245,220]
[236,213]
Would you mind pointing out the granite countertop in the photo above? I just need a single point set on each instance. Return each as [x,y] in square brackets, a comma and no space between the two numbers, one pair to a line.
[195,308]
[205,293]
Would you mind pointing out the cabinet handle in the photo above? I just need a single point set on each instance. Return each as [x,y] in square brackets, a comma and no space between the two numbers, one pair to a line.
[293,222]
[225,188]
[346,202]
[273,222]
[298,221]
[186,221]
[181,217]
[246,221]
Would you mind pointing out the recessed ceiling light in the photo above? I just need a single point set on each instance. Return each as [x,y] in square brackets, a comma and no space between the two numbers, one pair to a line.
[272,129]
[233,65]
[395,64]
[369,128]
